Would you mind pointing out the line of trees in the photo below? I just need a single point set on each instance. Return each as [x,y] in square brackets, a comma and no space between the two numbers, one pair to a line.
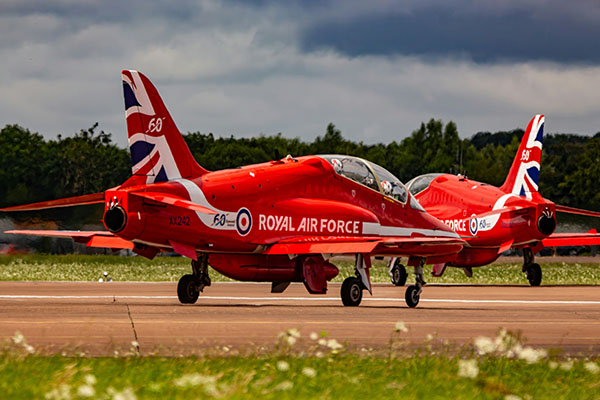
[35,169]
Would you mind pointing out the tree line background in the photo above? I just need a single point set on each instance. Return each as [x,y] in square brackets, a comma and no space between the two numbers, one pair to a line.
[35,169]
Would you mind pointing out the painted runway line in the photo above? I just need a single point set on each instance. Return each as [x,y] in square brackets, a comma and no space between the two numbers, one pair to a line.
[309,299]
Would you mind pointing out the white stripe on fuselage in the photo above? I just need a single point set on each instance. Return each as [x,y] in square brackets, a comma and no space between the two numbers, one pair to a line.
[197,196]
[373,228]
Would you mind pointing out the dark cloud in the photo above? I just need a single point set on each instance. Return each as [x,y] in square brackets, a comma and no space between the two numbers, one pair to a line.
[520,34]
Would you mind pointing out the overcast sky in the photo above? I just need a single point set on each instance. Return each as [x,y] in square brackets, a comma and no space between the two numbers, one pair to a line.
[374,68]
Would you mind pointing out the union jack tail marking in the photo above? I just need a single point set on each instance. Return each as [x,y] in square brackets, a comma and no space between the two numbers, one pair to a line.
[158,151]
[523,177]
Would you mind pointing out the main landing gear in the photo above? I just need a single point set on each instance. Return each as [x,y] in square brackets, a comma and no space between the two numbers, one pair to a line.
[190,285]
[532,269]
[352,291]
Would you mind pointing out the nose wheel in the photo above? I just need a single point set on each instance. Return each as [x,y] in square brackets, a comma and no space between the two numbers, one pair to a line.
[413,292]
[412,295]
[397,272]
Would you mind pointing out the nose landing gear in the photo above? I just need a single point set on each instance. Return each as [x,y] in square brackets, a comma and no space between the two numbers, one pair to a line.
[190,285]
[413,292]
[397,272]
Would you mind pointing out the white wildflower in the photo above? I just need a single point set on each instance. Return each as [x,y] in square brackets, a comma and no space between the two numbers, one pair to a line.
[62,392]
[566,366]
[334,344]
[18,338]
[226,349]
[125,394]
[322,342]
[135,344]
[285,385]
[195,379]
[514,351]
[400,327]
[28,348]
[283,365]
[89,379]
[532,355]
[553,364]
[319,354]
[484,345]
[291,340]
[310,372]
[511,397]
[86,391]
[293,332]
[429,337]
[314,336]
[468,368]
[591,367]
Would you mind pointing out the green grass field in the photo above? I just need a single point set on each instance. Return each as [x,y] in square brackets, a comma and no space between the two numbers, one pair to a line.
[284,376]
[170,269]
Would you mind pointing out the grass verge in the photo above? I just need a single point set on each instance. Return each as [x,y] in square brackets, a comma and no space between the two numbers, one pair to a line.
[170,269]
[346,376]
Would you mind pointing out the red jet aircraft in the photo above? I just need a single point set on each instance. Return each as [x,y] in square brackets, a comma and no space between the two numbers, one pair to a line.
[280,221]
[492,220]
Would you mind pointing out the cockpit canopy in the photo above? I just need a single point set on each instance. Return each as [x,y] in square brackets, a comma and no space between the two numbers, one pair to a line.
[371,175]
[420,183]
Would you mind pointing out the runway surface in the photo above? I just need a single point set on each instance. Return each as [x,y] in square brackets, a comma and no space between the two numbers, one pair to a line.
[101,318]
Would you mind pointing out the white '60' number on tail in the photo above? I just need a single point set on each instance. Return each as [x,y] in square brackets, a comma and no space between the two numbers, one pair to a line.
[155,125]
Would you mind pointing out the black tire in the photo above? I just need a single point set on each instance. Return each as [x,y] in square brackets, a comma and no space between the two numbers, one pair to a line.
[187,289]
[399,274]
[534,274]
[412,296]
[351,291]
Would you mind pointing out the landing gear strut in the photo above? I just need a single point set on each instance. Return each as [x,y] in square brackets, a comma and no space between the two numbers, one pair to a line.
[413,292]
[532,269]
[190,285]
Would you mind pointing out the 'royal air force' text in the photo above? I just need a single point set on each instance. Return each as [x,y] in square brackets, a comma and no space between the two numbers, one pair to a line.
[286,223]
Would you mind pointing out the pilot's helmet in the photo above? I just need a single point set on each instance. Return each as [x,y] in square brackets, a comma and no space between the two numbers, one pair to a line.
[337,165]
[387,187]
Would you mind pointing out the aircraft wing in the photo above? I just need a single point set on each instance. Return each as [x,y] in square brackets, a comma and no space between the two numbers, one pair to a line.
[89,238]
[421,246]
[86,199]
[572,239]
[571,210]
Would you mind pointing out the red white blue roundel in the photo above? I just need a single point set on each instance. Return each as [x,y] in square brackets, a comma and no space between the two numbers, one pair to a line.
[243,221]
[473,225]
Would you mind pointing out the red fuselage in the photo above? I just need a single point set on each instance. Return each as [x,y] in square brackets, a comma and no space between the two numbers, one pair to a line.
[267,203]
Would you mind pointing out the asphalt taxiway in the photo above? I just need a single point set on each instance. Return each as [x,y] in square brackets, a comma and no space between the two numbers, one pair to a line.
[101,318]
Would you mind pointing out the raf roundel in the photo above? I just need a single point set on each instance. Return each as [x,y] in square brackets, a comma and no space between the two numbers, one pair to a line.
[243,221]
[473,225]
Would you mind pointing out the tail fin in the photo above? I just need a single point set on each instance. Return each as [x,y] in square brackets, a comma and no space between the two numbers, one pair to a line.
[158,151]
[523,177]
